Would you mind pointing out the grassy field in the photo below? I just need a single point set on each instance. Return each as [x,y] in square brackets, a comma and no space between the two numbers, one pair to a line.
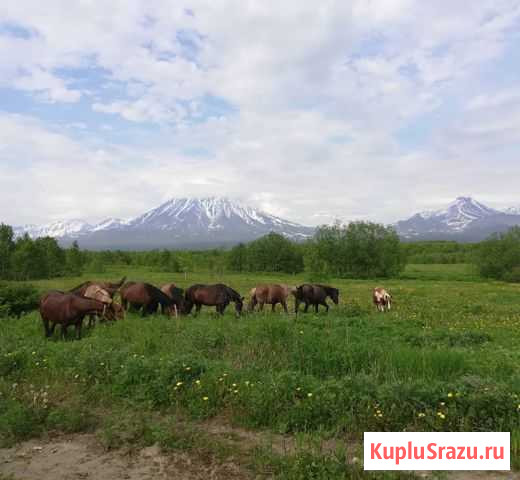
[446,358]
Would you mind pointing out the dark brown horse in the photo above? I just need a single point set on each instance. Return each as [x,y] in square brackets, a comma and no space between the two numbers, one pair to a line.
[177,296]
[270,294]
[110,287]
[313,294]
[219,296]
[145,297]
[67,309]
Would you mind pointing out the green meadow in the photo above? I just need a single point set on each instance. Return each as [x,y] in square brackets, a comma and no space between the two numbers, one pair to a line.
[446,358]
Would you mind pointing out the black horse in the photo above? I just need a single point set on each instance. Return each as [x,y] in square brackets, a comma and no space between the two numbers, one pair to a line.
[314,295]
[219,296]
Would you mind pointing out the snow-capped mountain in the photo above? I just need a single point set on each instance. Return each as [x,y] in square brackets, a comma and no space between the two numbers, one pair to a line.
[463,219]
[67,228]
[179,222]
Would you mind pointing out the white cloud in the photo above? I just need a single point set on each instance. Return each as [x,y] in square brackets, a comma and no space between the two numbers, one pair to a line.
[320,94]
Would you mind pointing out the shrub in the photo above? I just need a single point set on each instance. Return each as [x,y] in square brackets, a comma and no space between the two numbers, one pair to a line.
[16,300]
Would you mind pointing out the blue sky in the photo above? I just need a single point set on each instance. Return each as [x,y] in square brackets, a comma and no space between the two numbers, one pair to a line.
[313,112]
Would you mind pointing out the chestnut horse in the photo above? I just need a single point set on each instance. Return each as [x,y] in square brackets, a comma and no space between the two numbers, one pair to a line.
[270,294]
[313,294]
[219,296]
[110,287]
[146,297]
[177,296]
[67,309]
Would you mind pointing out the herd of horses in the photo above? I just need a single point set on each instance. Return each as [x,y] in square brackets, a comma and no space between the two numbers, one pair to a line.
[97,300]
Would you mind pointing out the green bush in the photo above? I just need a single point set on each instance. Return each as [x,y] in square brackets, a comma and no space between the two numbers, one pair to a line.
[15,300]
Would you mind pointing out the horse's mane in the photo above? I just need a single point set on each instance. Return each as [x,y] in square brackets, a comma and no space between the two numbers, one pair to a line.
[79,287]
[328,289]
[233,294]
[155,292]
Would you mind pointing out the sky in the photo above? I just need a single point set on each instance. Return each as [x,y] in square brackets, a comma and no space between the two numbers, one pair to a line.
[313,111]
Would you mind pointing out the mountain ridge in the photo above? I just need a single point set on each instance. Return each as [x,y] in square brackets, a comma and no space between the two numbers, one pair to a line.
[178,222]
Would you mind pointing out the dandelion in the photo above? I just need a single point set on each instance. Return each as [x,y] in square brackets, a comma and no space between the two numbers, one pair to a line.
[441,415]
[298,389]
[76,376]
[421,415]
[518,408]
[442,404]
[450,395]
[179,384]
[34,353]
[205,399]
[235,391]
[309,394]
[233,384]
[247,383]
[197,382]
[224,374]
[301,332]
[188,369]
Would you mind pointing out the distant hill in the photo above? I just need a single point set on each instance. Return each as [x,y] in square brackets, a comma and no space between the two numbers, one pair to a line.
[465,219]
[177,223]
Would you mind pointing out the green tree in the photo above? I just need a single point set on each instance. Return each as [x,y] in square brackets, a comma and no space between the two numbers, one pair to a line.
[7,246]
[499,256]
[359,250]
[74,259]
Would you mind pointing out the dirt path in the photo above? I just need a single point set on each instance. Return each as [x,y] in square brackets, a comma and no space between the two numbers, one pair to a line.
[74,457]
[82,456]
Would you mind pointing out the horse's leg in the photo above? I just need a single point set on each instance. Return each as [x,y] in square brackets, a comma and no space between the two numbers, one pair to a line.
[79,324]
[262,306]
[198,306]
[63,331]
[273,307]
[296,305]
[316,307]
[46,327]
[284,305]
[325,304]
[306,309]
[222,308]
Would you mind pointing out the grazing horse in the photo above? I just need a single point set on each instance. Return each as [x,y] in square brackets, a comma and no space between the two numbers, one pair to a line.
[177,296]
[270,294]
[67,309]
[110,287]
[219,296]
[146,297]
[114,311]
[315,295]
[382,299]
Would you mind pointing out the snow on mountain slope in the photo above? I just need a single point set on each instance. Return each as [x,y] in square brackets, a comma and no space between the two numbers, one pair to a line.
[464,217]
[186,221]
[67,228]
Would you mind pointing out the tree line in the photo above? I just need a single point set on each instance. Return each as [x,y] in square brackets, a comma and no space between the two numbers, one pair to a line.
[356,250]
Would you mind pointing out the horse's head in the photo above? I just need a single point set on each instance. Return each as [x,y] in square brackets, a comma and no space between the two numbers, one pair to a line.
[239,305]
[119,311]
[334,295]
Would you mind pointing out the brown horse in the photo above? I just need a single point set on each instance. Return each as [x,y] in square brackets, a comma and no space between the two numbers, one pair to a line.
[67,309]
[270,294]
[146,297]
[314,295]
[219,296]
[110,287]
[177,296]
[114,311]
